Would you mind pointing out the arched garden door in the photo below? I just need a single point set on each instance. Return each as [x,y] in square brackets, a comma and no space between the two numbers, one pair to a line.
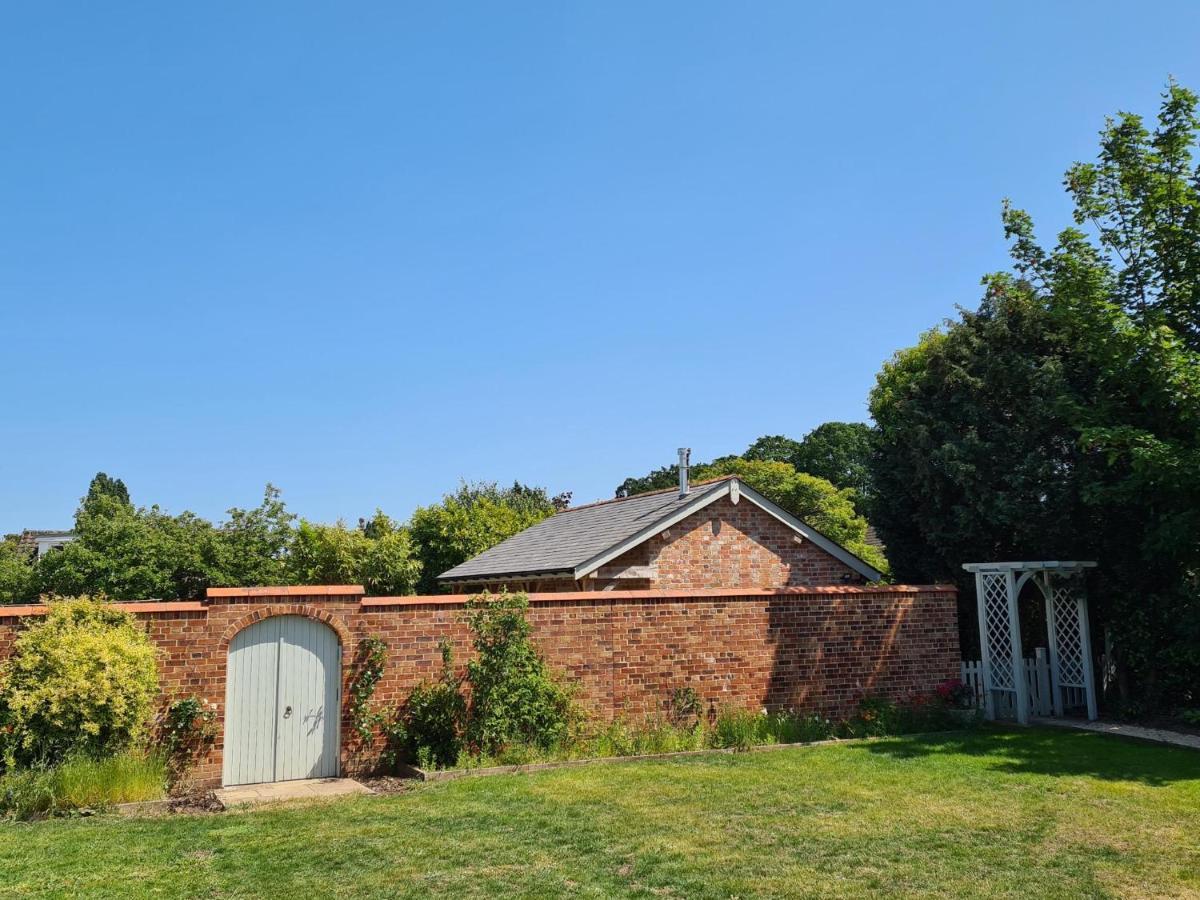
[282,702]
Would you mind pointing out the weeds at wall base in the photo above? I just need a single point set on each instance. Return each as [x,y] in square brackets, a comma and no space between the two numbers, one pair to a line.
[419,774]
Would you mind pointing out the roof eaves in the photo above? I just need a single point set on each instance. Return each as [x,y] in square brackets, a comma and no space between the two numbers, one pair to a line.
[521,573]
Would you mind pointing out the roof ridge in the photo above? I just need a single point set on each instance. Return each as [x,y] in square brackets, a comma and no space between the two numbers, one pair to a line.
[594,503]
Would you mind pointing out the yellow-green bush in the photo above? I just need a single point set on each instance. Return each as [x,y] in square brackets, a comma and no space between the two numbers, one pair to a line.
[82,681]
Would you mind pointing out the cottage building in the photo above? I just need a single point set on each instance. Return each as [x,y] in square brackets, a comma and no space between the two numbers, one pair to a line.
[715,534]
[37,543]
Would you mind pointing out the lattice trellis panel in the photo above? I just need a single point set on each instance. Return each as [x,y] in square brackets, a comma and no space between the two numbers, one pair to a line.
[999,635]
[1068,637]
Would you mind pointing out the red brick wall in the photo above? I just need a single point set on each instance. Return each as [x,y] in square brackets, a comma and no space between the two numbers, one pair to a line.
[814,649]
[721,546]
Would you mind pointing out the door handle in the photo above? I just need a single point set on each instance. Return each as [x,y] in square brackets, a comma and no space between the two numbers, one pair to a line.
[287,712]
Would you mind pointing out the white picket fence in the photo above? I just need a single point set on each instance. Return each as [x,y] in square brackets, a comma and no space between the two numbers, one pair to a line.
[1037,677]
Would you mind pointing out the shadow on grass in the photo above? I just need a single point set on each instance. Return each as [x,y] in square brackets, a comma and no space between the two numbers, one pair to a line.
[1045,751]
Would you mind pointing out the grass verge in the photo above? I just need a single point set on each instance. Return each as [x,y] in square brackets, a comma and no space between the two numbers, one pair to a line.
[996,813]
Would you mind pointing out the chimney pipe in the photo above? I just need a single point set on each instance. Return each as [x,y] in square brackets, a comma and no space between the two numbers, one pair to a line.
[685,454]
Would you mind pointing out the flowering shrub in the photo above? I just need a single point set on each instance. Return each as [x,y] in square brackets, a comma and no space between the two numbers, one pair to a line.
[956,694]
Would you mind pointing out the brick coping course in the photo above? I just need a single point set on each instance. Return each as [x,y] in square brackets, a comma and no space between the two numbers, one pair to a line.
[201,606]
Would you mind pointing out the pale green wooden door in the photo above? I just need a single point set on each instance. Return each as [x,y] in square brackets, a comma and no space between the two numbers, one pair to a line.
[282,702]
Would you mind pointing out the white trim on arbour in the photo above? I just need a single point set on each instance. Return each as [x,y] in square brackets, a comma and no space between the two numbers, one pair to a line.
[997,591]
[742,490]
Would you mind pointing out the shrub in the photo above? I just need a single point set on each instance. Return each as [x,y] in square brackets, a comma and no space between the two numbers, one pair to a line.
[187,727]
[788,727]
[876,717]
[429,727]
[82,681]
[514,697]
[82,783]
[736,728]
[27,793]
[955,694]
[684,706]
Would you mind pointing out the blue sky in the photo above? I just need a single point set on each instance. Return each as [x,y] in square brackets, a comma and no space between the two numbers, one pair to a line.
[365,250]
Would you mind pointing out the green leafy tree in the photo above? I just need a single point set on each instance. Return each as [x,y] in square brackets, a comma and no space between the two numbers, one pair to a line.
[1062,419]
[839,452]
[147,553]
[133,554]
[18,581]
[773,448]
[104,486]
[378,555]
[658,480]
[469,521]
[253,544]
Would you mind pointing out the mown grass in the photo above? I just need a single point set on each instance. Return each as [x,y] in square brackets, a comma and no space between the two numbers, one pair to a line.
[993,812]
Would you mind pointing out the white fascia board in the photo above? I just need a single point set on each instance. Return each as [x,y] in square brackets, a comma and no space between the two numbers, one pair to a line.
[833,548]
[587,567]
[1052,565]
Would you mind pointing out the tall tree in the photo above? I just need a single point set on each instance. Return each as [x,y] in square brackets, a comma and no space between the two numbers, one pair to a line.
[102,486]
[839,452]
[1063,418]
[253,544]
[469,521]
[773,448]
[17,577]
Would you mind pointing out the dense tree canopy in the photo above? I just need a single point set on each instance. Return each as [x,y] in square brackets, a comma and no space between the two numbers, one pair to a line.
[104,486]
[1062,419]
[827,508]
[838,452]
[132,553]
[472,519]
[17,577]
[379,554]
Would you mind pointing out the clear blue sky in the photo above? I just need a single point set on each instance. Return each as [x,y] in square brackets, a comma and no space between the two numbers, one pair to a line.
[365,250]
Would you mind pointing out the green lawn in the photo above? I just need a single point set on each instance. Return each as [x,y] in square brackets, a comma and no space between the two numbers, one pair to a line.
[995,812]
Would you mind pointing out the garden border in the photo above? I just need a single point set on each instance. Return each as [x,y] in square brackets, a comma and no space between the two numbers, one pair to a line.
[409,771]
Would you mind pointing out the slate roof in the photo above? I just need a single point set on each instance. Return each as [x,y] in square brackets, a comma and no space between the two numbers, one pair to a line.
[565,540]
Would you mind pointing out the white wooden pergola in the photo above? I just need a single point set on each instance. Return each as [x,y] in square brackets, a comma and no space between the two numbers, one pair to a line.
[997,588]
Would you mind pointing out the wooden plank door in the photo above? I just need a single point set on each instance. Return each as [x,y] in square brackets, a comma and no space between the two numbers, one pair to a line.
[309,665]
[282,702]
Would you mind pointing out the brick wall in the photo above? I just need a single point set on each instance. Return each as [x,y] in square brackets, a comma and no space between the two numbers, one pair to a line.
[724,545]
[815,649]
